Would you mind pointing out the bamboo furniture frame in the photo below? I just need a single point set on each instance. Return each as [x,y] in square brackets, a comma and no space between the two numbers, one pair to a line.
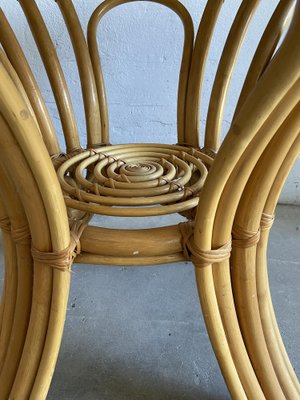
[228,194]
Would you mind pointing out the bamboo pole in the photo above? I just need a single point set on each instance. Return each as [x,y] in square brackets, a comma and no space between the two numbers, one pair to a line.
[18,60]
[54,71]
[224,73]
[87,79]
[14,76]
[47,318]
[265,50]
[23,279]
[200,53]
[244,259]
[10,294]
[261,256]
[261,106]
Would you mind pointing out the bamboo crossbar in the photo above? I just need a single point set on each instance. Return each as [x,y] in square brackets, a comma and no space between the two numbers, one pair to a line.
[227,192]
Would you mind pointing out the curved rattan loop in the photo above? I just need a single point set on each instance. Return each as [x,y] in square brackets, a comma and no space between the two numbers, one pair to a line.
[265,50]
[17,58]
[54,71]
[224,73]
[196,76]
[186,19]
[87,79]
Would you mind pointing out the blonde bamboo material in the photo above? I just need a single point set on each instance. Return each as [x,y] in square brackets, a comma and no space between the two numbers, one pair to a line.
[88,85]
[54,71]
[245,290]
[17,58]
[229,201]
[224,73]
[262,252]
[241,133]
[14,76]
[37,358]
[23,280]
[200,53]
[139,243]
[265,50]
[45,211]
[2,295]
[219,237]
[42,287]
[86,258]
[185,17]
[10,294]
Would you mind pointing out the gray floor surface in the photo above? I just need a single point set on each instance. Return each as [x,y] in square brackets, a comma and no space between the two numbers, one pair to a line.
[138,333]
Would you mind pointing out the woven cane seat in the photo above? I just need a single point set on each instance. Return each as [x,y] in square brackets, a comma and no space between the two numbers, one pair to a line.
[134,179]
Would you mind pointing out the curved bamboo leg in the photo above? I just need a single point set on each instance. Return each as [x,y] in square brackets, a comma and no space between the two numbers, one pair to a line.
[267,311]
[10,258]
[20,323]
[60,294]
[282,365]
[3,215]
[223,220]
[223,288]
[244,266]
[17,337]
[42,284]
[10,279]
[215,329]
[49,228]
[263,113]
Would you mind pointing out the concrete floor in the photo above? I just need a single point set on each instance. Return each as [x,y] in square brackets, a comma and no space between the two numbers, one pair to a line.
[138,333]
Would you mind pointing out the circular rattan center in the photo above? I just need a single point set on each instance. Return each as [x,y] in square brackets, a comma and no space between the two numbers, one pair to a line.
[134,180]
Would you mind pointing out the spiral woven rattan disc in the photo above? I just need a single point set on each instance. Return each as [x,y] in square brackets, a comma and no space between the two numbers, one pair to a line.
[134,180]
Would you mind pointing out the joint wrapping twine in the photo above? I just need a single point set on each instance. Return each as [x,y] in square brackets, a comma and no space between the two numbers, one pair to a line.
[241,238]
[244,238]
[201,258]
[62,260]
[19,235]
[5,224]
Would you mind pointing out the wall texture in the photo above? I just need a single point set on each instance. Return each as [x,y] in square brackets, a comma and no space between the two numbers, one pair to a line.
[141,46]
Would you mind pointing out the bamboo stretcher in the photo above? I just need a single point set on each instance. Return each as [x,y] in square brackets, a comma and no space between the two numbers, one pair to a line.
[228,193]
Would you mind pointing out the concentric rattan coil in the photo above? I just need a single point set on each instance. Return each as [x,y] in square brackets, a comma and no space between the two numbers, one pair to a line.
[114,180]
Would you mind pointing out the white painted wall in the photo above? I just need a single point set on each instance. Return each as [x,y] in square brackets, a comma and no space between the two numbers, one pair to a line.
[141,45]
